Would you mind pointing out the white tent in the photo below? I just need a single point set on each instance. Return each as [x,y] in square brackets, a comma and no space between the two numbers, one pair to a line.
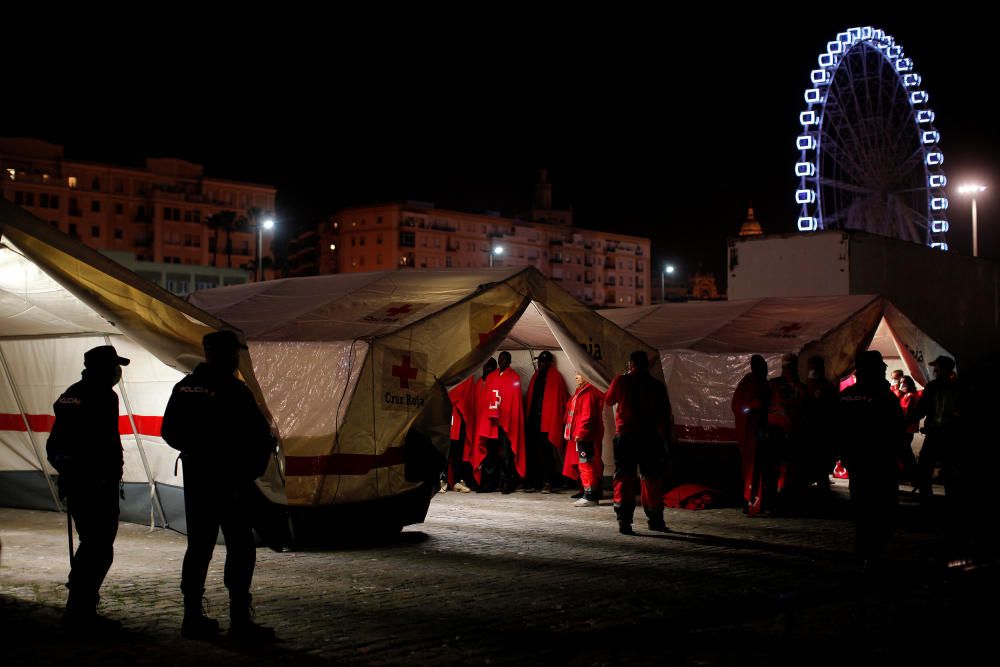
[59,298]
[705,347]
[353,367]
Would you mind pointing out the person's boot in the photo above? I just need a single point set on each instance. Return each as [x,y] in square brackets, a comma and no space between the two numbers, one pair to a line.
[196,624]
[81,616]
[655,521]
[624,522]
[242,626]
[658,525]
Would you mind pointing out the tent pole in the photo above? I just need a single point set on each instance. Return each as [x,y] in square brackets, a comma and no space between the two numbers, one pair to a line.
[27,429]
[154,495]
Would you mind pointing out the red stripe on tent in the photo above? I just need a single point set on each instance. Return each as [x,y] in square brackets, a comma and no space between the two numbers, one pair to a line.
[146,425]
[11,422]
[342,464]
[40,423]
[705,434]
[43,424]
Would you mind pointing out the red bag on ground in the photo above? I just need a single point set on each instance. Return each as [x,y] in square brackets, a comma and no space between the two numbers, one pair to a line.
[692,497]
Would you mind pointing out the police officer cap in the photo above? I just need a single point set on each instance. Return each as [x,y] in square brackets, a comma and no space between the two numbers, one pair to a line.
[105,355]
[545,356]
[946,364]
[870,359]
[222,340]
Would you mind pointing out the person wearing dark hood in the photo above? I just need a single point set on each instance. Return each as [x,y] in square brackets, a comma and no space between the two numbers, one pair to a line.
[643,431]
[750,407]
[871,428]
[225,443]
[85,448]
[543,429]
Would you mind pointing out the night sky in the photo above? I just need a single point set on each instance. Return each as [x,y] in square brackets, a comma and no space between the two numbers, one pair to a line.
[648,123]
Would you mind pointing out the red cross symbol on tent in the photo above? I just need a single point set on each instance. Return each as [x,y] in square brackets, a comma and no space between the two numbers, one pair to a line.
[483,337]
[790,328]
[404,372]
[399,310]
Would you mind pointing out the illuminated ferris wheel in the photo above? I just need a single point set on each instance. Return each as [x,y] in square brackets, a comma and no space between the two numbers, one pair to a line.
[868,152]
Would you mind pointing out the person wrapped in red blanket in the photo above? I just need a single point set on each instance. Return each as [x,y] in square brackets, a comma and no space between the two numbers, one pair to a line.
[500,428]
[545,404]
[465,398]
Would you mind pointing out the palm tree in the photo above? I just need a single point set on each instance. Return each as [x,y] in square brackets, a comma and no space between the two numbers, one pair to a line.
[224,220]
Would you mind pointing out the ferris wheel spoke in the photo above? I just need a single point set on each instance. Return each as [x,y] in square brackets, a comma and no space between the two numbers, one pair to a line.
[912,225]
[842,123]
[906,166]
[846,187]
[842,154]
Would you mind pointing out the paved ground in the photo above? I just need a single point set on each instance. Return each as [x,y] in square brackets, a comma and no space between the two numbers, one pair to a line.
[525,579]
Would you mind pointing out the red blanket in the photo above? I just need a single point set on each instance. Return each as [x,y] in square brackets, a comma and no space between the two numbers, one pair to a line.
[501,407]
[553,405]
[692,497]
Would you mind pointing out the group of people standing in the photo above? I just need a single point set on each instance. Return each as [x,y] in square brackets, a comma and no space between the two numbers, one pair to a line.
[494,447]
[791,432]
[225,443]
[500,442]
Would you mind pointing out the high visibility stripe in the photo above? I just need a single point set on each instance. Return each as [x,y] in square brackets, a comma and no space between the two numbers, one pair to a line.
[147,425]
[342,464]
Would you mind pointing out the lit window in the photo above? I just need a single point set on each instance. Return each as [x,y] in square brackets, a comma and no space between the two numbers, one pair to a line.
[71,181]
[12,174]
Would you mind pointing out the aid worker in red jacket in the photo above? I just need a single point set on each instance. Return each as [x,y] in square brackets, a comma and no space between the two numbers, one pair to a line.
[643,429]
[501,423]
[584,436]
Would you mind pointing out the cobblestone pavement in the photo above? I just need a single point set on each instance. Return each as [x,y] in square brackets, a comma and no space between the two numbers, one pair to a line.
[522,579]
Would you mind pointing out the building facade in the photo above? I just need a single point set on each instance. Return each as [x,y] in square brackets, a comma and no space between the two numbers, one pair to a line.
[165,213]
[599,268]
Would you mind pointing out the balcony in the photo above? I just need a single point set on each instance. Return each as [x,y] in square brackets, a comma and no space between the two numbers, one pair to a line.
[555,242]
[609,264]
[556,260]
[639,252]
[610,282]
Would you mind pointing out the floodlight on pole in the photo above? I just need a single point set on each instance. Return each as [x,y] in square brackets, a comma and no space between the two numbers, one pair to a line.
[268,224]
[973,189]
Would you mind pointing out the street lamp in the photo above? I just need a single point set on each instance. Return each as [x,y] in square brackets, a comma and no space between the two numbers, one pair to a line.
[667,268]
[495,250]
[973,189]
[267,224]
